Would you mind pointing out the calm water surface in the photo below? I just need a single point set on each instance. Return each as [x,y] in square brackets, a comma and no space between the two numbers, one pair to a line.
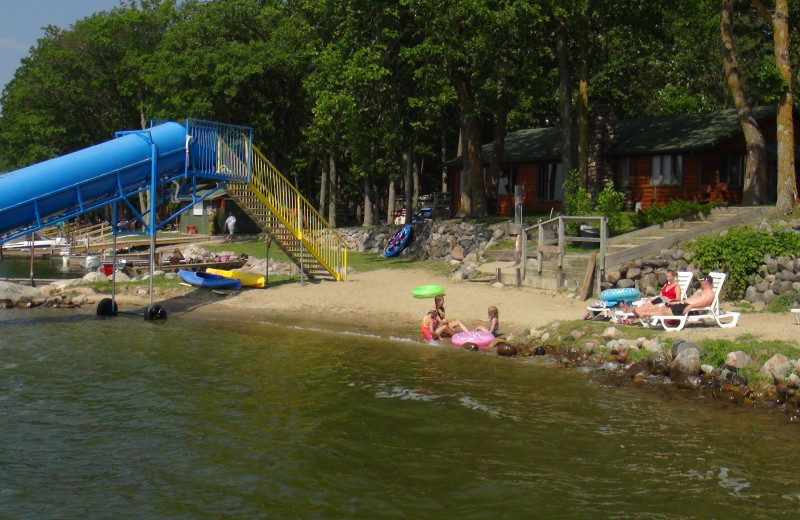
[20,267]
[198,419]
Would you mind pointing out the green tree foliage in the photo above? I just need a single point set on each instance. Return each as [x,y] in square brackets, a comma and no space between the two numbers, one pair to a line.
[77,87]
[371,80]
[237,61]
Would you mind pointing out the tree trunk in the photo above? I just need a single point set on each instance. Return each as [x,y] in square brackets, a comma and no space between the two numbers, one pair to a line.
[787,182]
[334,188]
[323,183]
[367,203]
[142,118]
[755,164]
[144,206]
[444,161]
[498,144]
[565,98]
[583,118]
[390,205]
[408,184]
[473,195]
[415,174]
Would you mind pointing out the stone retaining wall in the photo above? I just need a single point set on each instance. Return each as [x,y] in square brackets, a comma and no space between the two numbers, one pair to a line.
[776,277]
[448,240]
[649,274]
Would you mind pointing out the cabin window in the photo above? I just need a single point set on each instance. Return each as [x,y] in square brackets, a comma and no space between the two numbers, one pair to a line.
[508,179]
[666,170]
[550,183]
[622,167]
[731,169]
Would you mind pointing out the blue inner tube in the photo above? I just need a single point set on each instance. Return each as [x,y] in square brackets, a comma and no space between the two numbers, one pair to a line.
[620,295]
[398,241]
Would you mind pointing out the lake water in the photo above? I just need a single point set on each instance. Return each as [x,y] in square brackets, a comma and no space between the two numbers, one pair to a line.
[207,419]
[19,267]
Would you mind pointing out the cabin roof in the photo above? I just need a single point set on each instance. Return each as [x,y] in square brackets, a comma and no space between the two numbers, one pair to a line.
[644,135]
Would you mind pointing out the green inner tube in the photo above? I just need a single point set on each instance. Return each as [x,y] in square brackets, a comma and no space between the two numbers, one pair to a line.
[427,291]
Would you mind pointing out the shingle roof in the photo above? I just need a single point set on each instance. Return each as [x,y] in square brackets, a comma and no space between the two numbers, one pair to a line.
[644,135]
[682,132]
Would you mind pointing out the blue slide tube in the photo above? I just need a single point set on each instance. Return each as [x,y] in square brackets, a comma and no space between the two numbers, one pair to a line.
[88,177]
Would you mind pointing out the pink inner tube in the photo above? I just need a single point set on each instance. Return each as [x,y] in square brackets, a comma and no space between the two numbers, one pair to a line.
[477,337]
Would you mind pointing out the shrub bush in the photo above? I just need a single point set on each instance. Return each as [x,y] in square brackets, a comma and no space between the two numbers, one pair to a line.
[740,252]
[579,202]
[674,209]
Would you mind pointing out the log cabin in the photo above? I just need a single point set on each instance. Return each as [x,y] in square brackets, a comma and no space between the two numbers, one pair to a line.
[698,156]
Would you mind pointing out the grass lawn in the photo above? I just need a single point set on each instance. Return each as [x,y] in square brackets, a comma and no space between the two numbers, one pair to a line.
[358,261]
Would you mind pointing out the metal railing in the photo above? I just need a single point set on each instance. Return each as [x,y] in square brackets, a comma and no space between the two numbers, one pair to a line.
[550,236]
[221,151]
[299,216]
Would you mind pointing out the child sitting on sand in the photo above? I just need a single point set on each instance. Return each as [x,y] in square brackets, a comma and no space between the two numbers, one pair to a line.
[434,325]
[493,321]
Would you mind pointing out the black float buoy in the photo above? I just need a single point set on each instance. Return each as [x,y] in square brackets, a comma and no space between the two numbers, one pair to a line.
[155,312]
[107,307]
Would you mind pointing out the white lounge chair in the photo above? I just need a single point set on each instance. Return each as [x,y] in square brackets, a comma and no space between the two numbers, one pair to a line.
[684,280]
[724,319]
[796,313]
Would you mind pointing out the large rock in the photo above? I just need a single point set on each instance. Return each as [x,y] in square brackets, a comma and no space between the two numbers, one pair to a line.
[737,360]
[658,364]
[752,295]
[777,366]
[95,276]
[612,332]
[626,283]
[119,276]
[14,294]
[680,345]
[634,274]
[771,264]
[786,264]
[686,363]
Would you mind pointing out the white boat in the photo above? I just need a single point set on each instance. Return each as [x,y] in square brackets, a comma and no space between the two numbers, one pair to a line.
[38,243]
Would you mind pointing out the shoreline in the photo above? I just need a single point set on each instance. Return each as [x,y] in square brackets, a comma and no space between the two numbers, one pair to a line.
[382,298]
[380,303]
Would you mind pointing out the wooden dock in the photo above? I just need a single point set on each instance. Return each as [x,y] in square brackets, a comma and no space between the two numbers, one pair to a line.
[123,242]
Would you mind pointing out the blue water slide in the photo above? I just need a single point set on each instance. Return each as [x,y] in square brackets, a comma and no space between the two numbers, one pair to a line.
[46,193]
[89,178]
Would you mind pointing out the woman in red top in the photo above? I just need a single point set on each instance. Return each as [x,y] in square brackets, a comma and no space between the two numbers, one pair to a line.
[669,293]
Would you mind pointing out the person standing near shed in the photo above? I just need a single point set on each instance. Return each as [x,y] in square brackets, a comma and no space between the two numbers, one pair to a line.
[212,222]
[230,224]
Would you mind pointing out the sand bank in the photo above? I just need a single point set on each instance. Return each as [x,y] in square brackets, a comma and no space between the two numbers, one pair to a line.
[384,297]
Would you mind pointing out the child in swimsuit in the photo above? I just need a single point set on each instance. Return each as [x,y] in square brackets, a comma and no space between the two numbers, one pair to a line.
[434,325]
[493,321]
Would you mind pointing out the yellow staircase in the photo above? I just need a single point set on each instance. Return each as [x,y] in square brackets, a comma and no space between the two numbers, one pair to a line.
[290,221]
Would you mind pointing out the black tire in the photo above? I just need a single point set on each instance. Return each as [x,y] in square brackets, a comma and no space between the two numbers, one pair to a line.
[155,312]
[107,307]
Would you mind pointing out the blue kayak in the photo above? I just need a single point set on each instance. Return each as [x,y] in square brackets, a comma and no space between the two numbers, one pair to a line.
[208,280]
[398,241]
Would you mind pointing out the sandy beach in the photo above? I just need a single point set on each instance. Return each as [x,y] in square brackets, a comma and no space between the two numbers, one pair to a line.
[384,298]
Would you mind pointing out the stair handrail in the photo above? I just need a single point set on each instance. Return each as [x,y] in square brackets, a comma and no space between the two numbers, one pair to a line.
[221,150]
[561,239]
[298,215]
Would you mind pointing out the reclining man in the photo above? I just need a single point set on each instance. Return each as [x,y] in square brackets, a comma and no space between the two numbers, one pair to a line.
[701,298]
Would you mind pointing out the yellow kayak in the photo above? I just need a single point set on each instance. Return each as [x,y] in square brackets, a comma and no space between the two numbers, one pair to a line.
[248,279]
